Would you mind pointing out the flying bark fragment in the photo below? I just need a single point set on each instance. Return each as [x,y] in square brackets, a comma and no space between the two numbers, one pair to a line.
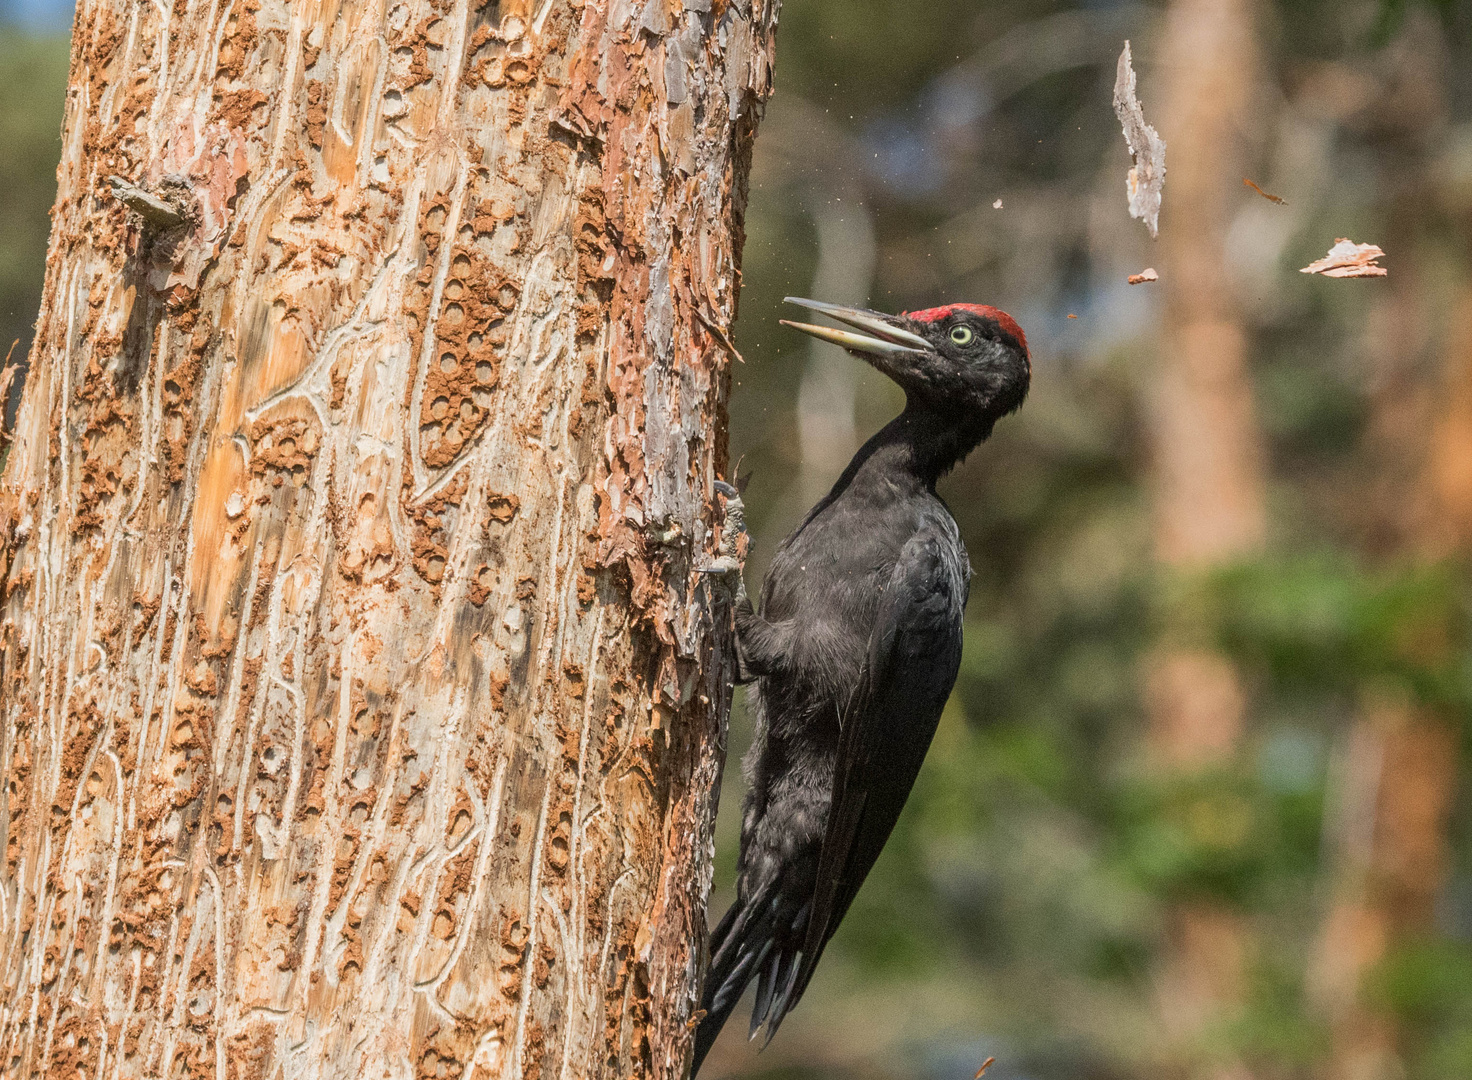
[1147,274]
[1269,196]
[985,1065]
[997,205]
[1147,148]
[1348,259]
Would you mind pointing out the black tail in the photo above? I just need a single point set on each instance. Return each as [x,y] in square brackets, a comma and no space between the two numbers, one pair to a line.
[760,939]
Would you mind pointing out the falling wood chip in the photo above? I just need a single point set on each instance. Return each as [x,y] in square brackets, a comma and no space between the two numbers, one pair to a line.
[1073,316]
[1269,196]
[1147,274]
[1348,259]
[997,205]
[1147,148]
[985,1065]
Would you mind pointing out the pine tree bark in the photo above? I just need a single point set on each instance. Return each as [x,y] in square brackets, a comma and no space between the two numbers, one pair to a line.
[362,701]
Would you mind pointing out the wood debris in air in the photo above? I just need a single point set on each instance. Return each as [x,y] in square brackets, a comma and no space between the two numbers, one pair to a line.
[985,1065]
[1268,195]
[997,205]
[1147,274]
[1073,316]
[1348,259]
[1147,148]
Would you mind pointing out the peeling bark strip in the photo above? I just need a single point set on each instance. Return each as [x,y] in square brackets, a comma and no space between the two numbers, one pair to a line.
[361,700]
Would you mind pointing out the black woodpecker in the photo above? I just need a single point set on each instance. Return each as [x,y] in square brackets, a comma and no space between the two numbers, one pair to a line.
[854,651]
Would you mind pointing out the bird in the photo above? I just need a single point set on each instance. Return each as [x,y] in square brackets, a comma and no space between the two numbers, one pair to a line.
[854,650]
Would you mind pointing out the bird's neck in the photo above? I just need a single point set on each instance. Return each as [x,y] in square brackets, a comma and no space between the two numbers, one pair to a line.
[920,444]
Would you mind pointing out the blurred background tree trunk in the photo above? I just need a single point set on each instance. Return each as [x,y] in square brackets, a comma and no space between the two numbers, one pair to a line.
[1207,478]
[1395,785]
[363,705]
[828,394]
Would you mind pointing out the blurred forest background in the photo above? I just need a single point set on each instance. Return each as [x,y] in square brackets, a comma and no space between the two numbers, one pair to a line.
[1197,808]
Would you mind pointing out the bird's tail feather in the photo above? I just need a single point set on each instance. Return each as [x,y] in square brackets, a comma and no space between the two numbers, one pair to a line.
[779,978]
[759,939]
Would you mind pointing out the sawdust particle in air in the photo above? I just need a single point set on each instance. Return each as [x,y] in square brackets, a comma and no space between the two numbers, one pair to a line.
[1269,196]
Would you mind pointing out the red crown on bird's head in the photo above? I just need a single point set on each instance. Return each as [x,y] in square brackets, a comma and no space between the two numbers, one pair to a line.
[1007,323]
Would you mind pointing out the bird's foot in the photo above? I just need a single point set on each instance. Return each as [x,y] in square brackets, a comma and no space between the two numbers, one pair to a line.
[730,554]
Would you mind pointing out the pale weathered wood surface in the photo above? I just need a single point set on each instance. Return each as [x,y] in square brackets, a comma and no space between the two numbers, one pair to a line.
[360,698]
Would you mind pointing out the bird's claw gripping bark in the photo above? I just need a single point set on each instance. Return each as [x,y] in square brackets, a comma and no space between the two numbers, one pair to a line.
[730,554]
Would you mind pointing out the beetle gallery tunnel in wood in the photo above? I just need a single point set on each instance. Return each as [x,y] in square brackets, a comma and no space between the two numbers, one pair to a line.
[362,700]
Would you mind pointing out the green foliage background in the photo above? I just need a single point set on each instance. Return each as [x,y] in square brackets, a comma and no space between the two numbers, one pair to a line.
[32,91]
[1018,910]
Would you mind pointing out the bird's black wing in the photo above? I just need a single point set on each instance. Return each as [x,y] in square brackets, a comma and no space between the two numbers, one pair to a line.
[914,654]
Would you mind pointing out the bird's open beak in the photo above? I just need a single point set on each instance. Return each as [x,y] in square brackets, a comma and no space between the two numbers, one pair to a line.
[884,338]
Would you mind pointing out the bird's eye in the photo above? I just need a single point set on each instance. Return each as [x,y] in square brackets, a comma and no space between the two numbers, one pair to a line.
[961,335]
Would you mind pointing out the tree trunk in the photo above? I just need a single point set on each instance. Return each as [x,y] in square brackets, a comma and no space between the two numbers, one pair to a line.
[1207,473]
[363,705]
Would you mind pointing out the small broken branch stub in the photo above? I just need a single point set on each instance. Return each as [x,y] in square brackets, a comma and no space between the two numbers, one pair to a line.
[152,209]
